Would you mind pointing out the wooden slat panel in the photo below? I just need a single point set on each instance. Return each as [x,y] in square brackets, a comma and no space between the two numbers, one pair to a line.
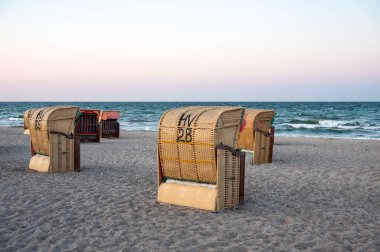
[267,149]
[242,177]
[256,154]
[229,180]
[70,156]
[32,153]
[51,151]
[221,180]
[271,144]
[77,154]
[63,154]
[55,158]
[159,168]
[262,148]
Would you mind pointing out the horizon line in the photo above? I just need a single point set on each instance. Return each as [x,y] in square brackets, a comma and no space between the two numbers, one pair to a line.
[193,101]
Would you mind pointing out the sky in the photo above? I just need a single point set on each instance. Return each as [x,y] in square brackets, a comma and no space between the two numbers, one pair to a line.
[190,50]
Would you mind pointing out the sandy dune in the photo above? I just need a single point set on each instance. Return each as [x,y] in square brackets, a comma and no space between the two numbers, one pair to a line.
[318,195]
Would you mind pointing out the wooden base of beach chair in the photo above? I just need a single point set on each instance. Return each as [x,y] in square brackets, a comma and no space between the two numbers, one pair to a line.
[64,155]
[39,163]
[227,193]
[188,195]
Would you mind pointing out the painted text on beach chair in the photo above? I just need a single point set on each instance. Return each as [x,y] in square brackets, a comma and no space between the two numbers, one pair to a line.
[53,146]
[258,135]
[198,165]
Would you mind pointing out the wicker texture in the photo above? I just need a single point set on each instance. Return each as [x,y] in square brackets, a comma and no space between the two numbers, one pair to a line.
[256,120]
[44,120]
[188,137]
[228,180]
[27,116]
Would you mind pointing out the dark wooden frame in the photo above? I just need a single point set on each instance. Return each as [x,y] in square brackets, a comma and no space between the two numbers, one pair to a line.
[92,133]
[109,133]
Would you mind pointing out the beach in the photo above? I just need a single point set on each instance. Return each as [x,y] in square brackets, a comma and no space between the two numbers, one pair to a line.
[319,194]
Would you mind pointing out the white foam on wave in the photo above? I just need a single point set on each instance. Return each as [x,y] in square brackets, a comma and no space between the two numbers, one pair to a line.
[283,134]
[301,125]
[138,126]
[341,124]
[333,125]
[14,119]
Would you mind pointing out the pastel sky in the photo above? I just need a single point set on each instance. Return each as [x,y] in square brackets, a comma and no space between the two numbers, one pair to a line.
[190,50]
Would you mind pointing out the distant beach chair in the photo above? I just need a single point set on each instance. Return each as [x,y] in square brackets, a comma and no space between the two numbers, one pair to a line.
[257,135]
[198,163]
[109,126]
[27,114]
[53,146]
[87,125]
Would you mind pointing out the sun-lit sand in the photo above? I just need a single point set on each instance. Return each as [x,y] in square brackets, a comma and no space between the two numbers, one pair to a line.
[318,195]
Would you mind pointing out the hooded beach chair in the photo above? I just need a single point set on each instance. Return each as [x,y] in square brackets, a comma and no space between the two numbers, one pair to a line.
[54,148]
[257,135]
[87,125]
[198,163]
[27,114]
[109,126]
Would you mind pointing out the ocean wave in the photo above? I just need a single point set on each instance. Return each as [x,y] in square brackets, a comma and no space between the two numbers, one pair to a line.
[15,119]
[147,126]
[300,121]
[299,125]
[331,124]
[283,134]
[144,128]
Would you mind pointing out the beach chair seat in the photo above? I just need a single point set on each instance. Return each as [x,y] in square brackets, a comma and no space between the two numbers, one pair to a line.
[198,163]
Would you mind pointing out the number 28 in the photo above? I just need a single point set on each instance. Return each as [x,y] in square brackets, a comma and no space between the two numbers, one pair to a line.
[184,135]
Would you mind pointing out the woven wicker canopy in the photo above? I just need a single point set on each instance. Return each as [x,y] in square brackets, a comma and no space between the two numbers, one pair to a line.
[188,137]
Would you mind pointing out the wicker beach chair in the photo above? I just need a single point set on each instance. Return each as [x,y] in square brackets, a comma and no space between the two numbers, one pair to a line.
[87,125]
[27,115]
[198,163]
[257,135]
[109,126]
[53,146]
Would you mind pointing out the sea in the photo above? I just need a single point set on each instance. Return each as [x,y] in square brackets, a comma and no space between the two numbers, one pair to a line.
[354,120]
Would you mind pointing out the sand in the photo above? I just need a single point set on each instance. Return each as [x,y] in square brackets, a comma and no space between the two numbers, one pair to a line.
[317,195]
